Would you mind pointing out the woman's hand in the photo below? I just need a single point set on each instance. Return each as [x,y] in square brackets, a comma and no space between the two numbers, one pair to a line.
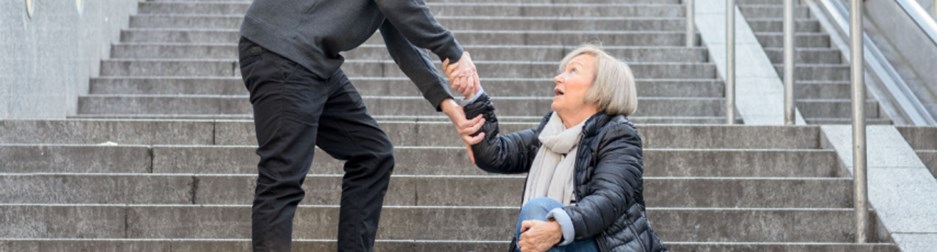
[539,236]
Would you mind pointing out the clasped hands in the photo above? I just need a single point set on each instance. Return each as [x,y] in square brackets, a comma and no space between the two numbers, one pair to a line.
[463,78]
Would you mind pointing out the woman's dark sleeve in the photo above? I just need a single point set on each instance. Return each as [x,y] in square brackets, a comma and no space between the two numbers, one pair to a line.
[617,176]
[510,153]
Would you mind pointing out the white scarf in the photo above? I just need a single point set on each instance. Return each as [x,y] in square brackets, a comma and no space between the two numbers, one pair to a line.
[551,174]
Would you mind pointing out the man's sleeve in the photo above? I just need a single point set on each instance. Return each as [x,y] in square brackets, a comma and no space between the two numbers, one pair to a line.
[417,24]
[415,63]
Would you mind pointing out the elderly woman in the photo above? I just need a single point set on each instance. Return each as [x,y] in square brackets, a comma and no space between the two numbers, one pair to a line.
[584,161]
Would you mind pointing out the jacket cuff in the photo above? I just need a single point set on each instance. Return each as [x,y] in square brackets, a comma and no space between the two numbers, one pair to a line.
[478,106]
[566,224]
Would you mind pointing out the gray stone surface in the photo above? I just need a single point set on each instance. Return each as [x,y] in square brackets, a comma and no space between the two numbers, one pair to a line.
[464,9]
[49,56]
[828,108]
[74,158]
[387,68]
[920,138]
[759,91]
[774,25]
[487,223]
[399,245]
[377,105]
[56,221]
[97,189]
[653,136]
[929,157]
[465,37]
[103,131]
[807,55]
[452,161]
[915,242]
[421,190]
[801,40]
[725,188]
[538,23]
[786,247]
[548,53]
[394,86]
[740,163]
[900,187]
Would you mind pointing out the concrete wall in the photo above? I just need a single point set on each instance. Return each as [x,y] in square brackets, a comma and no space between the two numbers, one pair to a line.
[46,59]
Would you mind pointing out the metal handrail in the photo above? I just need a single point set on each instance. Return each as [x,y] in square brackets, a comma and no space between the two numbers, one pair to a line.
[788,62]
[730,62]
[690,20]
[920,17]
[904,97]
[860,186]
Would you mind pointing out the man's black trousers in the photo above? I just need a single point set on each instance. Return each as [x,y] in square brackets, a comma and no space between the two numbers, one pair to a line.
[294,111]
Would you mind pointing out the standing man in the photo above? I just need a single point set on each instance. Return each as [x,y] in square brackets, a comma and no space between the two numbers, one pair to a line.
[290,62]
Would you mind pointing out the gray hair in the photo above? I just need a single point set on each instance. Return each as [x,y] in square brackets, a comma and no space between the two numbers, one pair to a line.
[613,89]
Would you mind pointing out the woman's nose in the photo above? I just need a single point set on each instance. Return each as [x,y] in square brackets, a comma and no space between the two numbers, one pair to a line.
[559,78]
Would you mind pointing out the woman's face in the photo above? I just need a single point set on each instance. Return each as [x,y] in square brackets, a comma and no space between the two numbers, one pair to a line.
[569,95]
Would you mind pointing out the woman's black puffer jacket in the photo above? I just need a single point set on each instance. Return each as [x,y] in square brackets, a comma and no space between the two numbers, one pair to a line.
[608,180]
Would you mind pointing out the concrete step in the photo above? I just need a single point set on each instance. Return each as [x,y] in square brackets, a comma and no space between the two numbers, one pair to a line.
[377,105]
[768,246]
[929,158]
[777,25]
[847,120]
[516,9]
[522,37]
[411,190]
[835,108]
[231,132]
[772,11]
[818,72]
[665,120]
[62,245]
[801,40]
[822,90]
[379,52]
[387,68]
[807,56]
[464,223]
[391,86]
[920,137]
[488,21]
[412,160]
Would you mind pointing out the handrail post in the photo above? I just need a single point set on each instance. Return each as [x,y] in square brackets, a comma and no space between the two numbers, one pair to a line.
[730,62]
[690,21]
[788,62]
[858,121]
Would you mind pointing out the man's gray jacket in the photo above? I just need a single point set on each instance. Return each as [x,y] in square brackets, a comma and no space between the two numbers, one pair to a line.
[314,32]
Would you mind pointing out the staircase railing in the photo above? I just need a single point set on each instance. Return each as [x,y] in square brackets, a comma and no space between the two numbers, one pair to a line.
[860,183]
[730,62]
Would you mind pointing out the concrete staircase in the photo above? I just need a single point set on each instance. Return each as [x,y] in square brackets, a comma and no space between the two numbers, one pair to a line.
[160,157]
[924,142]
[822,89]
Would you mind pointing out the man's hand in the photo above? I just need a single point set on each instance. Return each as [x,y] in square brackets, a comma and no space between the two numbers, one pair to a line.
[464,127]
[463,77]
[539,235]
